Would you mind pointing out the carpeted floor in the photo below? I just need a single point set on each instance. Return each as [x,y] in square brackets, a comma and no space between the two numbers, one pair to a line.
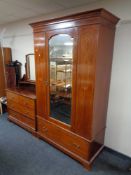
[23,154]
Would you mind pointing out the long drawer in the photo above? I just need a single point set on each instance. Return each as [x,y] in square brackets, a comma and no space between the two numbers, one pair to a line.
[22,100]
[65,138]
[21,109]
[22,119]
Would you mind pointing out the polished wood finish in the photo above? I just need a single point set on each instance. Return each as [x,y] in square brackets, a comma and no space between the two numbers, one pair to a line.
[7,55]
[99,16]
[21,108]
[86,79]
[71,141]
[102,79]
[41,73]
[23,92]
[21,120]
[2,76]
[10,74]
[5,58]
[93,34]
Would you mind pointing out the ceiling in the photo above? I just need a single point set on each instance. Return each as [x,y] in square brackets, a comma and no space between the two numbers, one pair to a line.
[15,10]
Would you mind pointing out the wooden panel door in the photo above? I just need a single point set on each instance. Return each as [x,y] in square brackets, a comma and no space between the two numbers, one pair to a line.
[61,99]
[86,65]
[41,74]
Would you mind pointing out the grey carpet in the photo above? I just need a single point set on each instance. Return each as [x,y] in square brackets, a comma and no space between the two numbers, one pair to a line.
[23,154]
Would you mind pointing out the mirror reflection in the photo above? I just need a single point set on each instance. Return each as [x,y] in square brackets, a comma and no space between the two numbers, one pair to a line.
[30,67]
[60,62]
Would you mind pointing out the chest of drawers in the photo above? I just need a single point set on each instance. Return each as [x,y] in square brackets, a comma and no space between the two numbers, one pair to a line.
[21,108]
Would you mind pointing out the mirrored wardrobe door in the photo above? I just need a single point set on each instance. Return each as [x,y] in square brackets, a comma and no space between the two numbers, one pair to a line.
[60,79]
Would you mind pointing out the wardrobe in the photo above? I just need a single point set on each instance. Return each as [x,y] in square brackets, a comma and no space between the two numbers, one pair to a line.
[5,58]
[73,56]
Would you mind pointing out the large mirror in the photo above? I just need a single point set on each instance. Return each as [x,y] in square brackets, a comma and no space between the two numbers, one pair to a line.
[60,65]
[30,67]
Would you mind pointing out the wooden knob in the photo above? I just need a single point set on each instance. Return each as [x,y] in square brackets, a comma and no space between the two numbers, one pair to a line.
[76,146]
[45,129]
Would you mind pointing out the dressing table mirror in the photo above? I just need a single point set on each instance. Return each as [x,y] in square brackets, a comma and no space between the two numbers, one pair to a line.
[28,79]
[30,68]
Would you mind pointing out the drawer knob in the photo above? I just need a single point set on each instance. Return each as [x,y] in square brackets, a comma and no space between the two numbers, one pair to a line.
[45,129]
[27,113]
[76,146]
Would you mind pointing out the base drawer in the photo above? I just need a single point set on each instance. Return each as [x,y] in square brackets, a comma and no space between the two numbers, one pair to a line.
[22,119]
[65,138]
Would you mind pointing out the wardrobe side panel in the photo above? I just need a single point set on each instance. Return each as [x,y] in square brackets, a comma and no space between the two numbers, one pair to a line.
[103,74]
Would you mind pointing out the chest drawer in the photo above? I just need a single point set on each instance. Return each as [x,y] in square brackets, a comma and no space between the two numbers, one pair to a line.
[21,118]
[30,113]
[63,137]
[19,99]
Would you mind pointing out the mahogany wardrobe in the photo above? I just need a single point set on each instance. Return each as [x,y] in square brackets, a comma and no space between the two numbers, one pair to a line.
[73,56]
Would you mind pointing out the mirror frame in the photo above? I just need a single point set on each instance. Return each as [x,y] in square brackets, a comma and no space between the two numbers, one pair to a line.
[67,118]
[27,68]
